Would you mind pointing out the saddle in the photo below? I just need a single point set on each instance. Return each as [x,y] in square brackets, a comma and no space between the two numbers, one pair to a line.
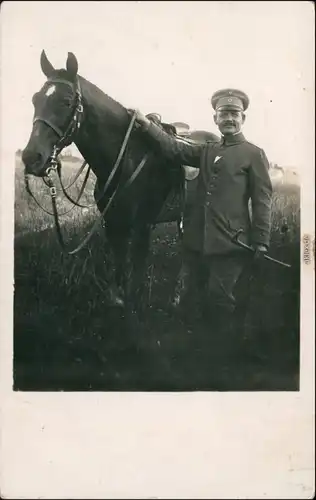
[167,127]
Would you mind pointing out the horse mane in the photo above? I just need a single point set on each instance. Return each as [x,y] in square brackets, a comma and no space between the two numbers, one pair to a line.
[103,101]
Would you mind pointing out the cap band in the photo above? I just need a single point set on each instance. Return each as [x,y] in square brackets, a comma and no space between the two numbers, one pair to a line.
[232,102]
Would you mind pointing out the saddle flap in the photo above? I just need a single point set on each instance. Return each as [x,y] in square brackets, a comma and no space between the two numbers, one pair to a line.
[190,173]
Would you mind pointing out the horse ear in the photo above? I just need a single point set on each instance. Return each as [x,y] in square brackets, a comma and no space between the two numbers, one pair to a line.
[72,64]
[47,68]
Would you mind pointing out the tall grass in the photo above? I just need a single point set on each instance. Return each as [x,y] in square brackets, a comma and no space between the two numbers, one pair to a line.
[60,301]
[286,213]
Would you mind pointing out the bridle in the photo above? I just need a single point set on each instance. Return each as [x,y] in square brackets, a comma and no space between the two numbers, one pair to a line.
[65,139]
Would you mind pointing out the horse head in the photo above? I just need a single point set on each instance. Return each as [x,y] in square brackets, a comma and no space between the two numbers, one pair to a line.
[57,115]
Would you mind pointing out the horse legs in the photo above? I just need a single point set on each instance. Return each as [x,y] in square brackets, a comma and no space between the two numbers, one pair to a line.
[130,248]
[119,245]
[140,255]
[138,249]
[180,228]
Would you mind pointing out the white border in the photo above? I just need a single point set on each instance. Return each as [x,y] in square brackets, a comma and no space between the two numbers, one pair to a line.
[138,445]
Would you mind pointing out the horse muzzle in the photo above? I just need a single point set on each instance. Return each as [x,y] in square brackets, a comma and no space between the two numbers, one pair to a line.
[35,164]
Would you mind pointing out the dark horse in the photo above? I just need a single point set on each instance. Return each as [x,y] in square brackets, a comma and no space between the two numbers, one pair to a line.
[68,108]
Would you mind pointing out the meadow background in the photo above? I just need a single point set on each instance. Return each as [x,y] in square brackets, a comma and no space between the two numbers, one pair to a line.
[66,339]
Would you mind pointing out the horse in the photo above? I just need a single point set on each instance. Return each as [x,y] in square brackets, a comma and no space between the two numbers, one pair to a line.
[130,189]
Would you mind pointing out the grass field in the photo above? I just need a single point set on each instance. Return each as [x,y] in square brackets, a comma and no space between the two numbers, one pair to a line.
[66,339]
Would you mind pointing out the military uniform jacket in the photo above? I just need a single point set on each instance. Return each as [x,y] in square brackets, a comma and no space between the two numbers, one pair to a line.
[232,173]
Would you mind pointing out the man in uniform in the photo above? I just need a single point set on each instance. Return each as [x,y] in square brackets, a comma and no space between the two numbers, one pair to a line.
[232,172]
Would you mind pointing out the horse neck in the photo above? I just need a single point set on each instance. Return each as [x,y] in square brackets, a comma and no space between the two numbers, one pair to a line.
[102,130]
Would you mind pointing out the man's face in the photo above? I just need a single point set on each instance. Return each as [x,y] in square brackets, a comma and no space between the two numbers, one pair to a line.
[229,121]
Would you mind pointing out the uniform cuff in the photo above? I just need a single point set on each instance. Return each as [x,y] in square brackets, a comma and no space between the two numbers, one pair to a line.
[256,242]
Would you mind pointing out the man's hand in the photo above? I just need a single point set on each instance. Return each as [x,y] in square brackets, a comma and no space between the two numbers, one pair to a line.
[140,118]
[259,252]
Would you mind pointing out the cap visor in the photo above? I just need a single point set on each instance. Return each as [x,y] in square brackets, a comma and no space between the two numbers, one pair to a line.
[229,106]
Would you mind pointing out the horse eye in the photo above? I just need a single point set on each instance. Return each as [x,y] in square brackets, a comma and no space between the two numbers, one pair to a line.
[67,102]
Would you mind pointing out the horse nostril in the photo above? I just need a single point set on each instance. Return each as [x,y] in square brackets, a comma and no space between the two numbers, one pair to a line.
[30,158]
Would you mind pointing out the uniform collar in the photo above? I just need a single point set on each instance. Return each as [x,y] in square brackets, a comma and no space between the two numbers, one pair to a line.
[232,139]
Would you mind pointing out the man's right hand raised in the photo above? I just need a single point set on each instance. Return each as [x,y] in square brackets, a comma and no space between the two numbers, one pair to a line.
[141,119]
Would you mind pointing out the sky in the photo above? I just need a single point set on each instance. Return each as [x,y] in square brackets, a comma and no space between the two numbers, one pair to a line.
[169,57]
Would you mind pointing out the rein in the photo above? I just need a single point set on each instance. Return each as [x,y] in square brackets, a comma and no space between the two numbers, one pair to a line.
[74,202]
[69,198]
[54,165]
[87,238]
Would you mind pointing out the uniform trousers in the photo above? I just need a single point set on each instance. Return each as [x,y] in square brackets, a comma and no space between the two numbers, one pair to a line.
[209,281]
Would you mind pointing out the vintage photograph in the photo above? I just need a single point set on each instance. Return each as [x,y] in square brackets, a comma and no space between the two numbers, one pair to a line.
[157,201]
[157,249]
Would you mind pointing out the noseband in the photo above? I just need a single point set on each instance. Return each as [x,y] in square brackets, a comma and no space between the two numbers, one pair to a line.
[65,138]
